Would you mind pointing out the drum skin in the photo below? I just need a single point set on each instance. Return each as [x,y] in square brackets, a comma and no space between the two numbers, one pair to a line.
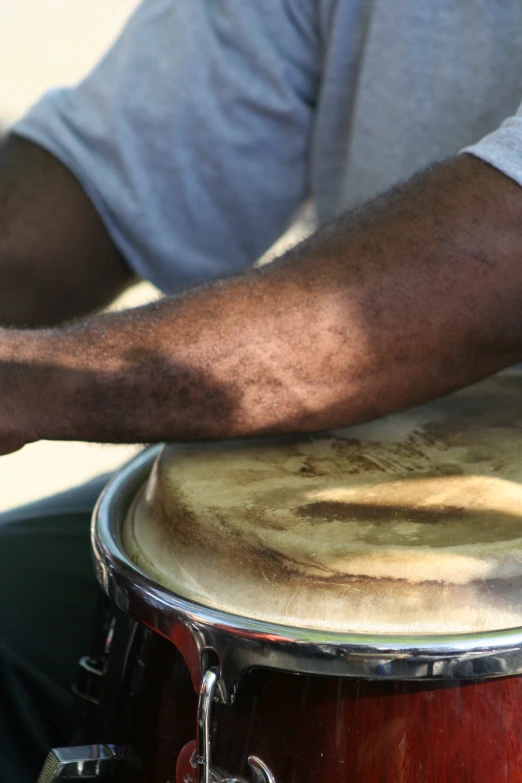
[311,729]
[410,525]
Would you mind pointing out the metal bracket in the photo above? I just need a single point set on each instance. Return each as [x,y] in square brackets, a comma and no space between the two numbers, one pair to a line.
[202,756]
[89,681]
[93,668]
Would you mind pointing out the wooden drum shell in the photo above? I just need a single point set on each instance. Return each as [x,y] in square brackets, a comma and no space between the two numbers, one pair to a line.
[313,729]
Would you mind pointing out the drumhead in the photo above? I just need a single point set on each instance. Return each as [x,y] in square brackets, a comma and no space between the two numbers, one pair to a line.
[409,525]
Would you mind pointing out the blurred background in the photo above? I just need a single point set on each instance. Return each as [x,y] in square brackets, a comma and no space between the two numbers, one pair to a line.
[45,43]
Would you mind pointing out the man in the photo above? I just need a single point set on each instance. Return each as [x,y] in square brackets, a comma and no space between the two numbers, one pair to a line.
[180,159]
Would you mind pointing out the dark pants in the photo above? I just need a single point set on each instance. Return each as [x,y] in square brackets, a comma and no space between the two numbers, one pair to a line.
[47,593]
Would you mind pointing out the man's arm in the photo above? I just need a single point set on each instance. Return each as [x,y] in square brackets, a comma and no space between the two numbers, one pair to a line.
[419,293]
[56,259]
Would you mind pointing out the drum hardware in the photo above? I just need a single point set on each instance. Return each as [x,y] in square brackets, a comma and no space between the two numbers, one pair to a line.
[93,668]
[203,737]
[96,685]
[89,681]
[104,763]
[201,758]
[91,676]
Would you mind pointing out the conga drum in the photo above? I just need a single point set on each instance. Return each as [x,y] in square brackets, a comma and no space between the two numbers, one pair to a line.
[334,608]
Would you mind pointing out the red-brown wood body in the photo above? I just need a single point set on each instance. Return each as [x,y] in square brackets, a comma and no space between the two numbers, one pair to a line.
[310,729]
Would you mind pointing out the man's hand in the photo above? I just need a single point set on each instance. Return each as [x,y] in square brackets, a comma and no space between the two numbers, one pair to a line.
[417,294]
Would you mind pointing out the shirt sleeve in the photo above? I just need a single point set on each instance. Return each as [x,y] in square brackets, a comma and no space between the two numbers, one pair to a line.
[192,135]
[503,148]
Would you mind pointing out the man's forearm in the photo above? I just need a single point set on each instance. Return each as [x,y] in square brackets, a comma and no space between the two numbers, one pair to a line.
[57,261]
[416,295]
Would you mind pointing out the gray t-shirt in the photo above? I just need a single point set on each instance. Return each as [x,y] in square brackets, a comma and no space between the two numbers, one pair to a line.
[210,121]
